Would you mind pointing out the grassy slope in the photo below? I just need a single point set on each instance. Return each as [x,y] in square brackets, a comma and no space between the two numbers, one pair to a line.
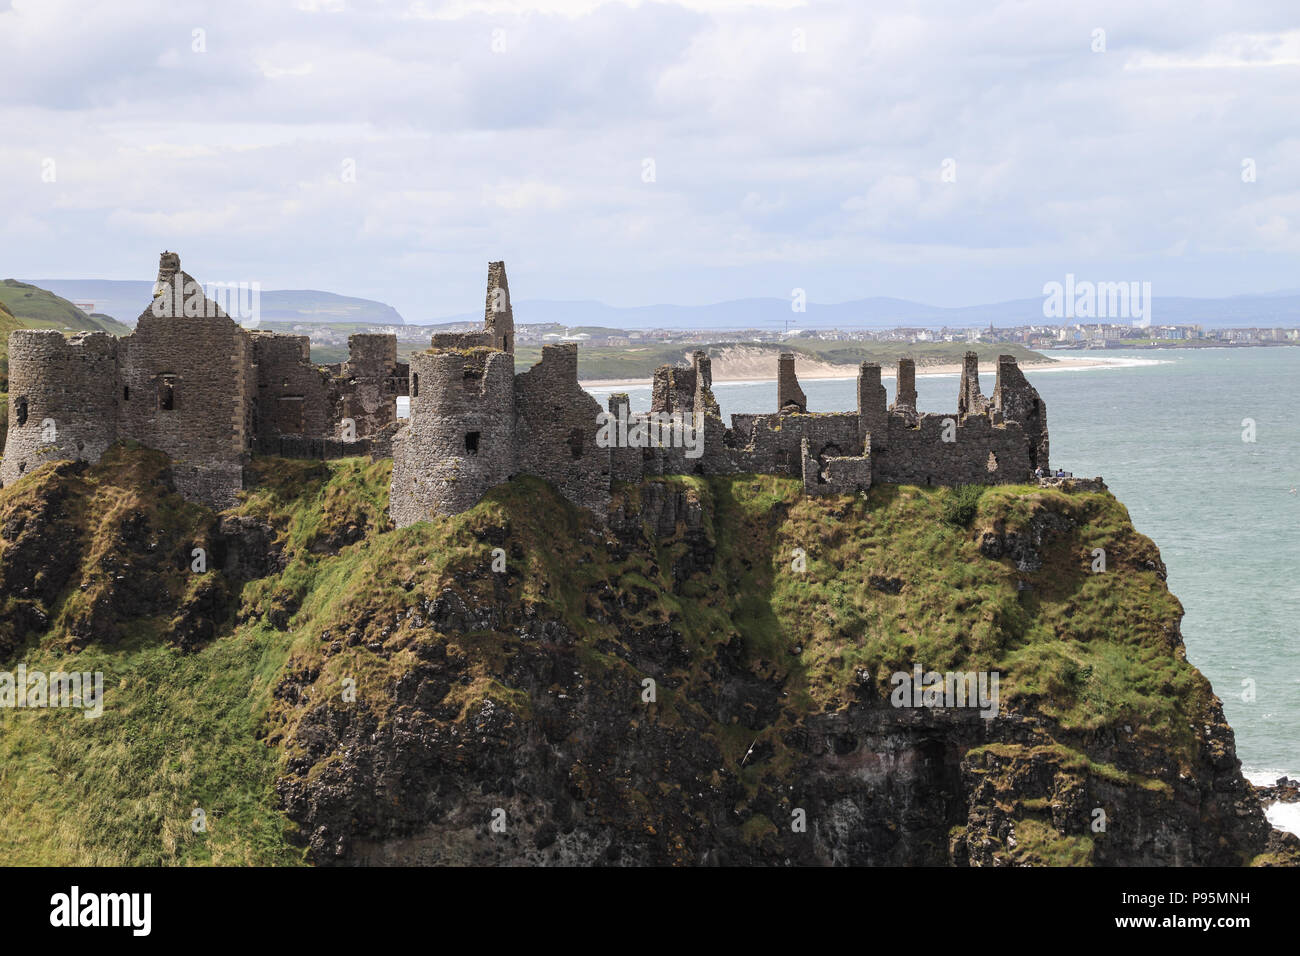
[183,730]
[7,324]
[40,309]
[179,730]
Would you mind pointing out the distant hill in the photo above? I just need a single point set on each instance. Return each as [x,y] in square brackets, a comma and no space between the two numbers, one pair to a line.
[38,308]
[1278,308]
[125,299]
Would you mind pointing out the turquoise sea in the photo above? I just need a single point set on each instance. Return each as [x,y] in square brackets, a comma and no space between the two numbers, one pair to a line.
[1165,429]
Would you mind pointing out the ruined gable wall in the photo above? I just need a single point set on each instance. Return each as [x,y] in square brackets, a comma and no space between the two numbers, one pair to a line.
[1015,400]
[970,401]
[905,387]
[204,363]
[673,389]
[460,440]
[556,427]
[74,384]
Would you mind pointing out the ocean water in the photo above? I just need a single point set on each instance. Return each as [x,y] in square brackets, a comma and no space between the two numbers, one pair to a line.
[1165,429]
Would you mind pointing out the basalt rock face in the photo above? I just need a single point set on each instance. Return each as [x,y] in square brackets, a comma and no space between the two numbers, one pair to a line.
[97,551]
[707,677]
[508,731]
[588,779]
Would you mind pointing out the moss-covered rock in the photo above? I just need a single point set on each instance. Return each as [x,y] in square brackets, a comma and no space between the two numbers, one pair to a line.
[705,679]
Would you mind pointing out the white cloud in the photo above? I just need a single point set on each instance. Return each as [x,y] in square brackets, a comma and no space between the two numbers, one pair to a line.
[778,164]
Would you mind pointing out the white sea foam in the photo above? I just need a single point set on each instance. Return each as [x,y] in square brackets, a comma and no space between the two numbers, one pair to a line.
[1102,365]
[1285,816]
[1268,776]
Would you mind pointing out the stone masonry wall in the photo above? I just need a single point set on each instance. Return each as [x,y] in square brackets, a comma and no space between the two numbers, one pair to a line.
[556,427]
[834,475]
[498,315]
[185,390]
[776,443]
[366,386]
[981,452]
[873,415]
[1015,400]
[788,392]
[293,396]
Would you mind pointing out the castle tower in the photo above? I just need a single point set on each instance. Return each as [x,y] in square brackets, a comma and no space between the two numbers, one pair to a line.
[63,396]
[789,396]
[460,440]
[498,316]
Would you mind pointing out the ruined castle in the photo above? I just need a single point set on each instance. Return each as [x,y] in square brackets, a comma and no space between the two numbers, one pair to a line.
[193,383]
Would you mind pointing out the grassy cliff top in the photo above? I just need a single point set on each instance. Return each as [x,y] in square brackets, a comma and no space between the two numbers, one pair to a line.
[899,576]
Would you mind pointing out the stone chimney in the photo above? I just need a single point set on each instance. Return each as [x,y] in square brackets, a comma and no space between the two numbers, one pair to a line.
[498,317]
[789,396]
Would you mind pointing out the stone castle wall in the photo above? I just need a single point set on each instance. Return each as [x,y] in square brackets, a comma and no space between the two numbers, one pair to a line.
[987,441]
[366,386]
[556,424]
[292,394]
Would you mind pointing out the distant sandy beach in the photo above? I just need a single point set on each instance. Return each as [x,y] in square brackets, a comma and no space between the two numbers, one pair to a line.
[753,369]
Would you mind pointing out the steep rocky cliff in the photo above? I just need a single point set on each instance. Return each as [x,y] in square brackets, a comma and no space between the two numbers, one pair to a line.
[706,681]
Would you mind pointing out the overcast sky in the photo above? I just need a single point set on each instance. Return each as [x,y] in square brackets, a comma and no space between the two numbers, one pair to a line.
[794,145]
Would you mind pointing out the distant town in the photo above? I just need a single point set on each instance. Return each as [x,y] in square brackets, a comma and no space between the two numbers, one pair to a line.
[1039,337]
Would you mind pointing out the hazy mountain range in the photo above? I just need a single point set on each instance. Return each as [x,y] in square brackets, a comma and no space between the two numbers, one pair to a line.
[126,299]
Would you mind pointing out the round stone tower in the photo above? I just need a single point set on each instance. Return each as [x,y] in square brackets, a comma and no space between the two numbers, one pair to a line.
[63,396]
[459,442]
